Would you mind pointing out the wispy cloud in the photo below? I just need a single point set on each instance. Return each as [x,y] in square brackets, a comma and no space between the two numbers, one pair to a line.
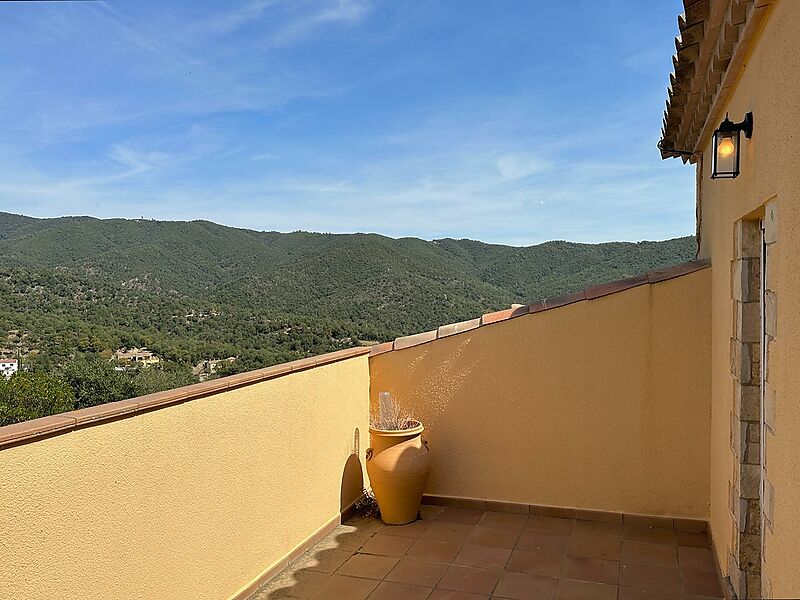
[342,115]
[331,12]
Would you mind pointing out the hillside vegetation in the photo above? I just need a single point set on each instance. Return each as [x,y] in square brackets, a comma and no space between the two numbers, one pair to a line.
[197,290]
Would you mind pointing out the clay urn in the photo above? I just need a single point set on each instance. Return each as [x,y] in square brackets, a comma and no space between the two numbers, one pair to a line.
[398,465]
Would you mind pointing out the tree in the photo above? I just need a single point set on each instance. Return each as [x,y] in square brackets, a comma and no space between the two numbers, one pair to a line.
[30,395]
[94,381]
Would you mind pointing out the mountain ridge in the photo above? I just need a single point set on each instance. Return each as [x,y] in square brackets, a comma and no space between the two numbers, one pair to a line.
[82,284]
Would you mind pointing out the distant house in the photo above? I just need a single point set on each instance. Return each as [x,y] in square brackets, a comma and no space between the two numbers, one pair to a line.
[8,366]
[139,356]
[206,368]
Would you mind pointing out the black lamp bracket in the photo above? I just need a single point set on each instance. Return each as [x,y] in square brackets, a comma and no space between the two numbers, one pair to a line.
[746,126]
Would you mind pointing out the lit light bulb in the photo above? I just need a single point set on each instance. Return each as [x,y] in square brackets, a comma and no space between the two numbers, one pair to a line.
[726,148]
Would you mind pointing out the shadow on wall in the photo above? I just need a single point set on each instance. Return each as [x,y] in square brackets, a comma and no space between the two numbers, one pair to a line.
[352,475]
[310,572]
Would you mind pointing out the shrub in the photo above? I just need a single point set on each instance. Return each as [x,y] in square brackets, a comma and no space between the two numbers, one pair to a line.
[30,395]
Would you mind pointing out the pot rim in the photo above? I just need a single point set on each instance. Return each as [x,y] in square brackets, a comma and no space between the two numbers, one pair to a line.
[419,428]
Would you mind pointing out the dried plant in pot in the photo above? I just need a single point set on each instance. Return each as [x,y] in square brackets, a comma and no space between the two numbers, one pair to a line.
[398,463]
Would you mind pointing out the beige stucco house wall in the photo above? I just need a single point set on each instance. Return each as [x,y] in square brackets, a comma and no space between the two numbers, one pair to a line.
[200,498]
[602,404]
[768,84]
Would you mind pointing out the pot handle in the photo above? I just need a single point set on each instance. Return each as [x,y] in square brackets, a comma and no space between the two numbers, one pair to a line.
[369,453]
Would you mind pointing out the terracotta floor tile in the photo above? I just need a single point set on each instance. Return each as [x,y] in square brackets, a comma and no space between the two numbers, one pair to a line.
[701,583]
[323,560]
[649,578]
[340,586]
[595,570]
[693,539]
[549,525]
[464,516]
[293,584]
[388,590]
[598,527]
[496,538]
[645,553]
[696,559]
[535,562]
[468,579]
[501,520]
[446,531]
[387,545]
[584,590]
[519,586]
[362,525]
[453,595]
[585,545]
[544,542]
[645,521]
[628,593]
[411,530]
[484,557]
[367,565]
[428,512]
[420,572]
[434,550]
[345,540]
[655,535]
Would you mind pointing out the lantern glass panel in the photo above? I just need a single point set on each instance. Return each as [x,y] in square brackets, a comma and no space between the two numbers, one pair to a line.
[726,154]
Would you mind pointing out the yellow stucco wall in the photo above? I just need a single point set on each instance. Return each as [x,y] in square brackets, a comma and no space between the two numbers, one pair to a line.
[603,404]
[188,501]
[770,87]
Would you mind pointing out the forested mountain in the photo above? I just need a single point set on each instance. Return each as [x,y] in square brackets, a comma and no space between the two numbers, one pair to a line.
[197,290]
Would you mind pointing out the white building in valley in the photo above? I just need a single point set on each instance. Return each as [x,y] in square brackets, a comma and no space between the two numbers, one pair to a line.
[8,366]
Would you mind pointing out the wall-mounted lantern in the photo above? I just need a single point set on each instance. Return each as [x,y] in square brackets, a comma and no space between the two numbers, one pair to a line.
[727,147]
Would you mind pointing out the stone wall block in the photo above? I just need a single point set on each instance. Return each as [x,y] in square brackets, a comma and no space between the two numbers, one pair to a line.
[749,402]
[751,481]
[747,239]
[748,321]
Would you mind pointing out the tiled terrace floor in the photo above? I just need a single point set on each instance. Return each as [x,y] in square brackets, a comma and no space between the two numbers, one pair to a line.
[458,554]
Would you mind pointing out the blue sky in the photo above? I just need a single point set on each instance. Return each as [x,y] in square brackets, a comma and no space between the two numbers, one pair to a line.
[509,121]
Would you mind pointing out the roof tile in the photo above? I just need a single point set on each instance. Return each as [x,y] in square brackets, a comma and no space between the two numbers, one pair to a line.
[17,432]
[677,270]
[381,348]
[611,287]
[564,300]
[414,340]
[104,411]
[494,317]
[453,328]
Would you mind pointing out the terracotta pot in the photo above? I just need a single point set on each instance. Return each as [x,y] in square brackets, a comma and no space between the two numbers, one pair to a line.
[398,465]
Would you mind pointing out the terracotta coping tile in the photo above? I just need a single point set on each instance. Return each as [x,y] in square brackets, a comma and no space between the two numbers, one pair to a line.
[104,411]
[494,317]
[37,428]
[537,307]
[612,287]
[517,310]
[414,340]
[677,270]
[453,328]
[564,300]
[381,348]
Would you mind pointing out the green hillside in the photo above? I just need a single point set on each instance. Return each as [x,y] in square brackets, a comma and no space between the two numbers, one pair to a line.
[197,290]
